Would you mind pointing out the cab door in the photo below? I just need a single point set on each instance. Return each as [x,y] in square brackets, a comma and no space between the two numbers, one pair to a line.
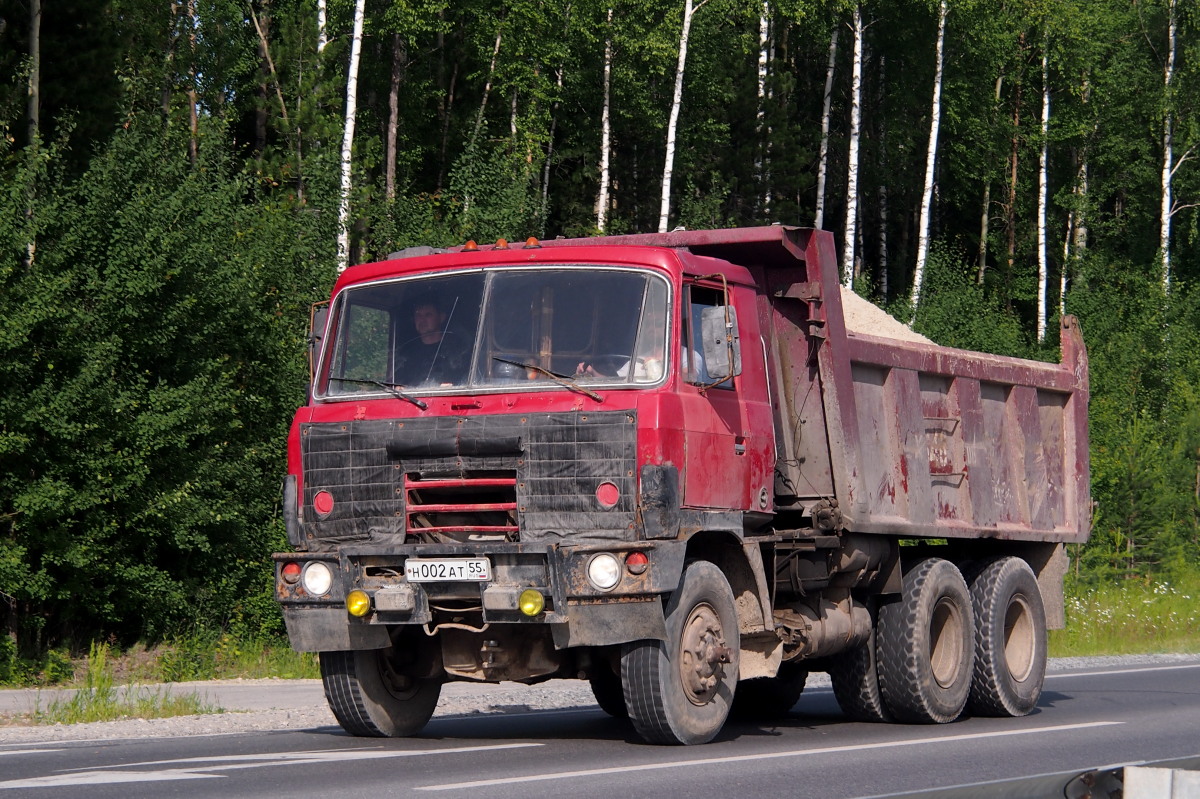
[728,433]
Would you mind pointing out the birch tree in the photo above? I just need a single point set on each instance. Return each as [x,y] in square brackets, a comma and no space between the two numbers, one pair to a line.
[850,231]
[605,128]
[935,120]
[823,153]
[664,210]
[343,242]
[760,112]
[1043,179]
[322,37]
[1169,207]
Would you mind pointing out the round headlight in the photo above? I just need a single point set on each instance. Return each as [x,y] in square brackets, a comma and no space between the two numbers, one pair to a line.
[317,578]
[604,570]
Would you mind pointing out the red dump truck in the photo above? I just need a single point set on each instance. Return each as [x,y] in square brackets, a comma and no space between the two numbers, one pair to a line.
[666,465]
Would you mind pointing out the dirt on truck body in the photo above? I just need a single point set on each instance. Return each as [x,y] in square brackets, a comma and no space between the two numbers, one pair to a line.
[666,465]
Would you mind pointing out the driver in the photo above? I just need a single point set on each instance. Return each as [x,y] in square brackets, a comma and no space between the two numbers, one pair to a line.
[434,356]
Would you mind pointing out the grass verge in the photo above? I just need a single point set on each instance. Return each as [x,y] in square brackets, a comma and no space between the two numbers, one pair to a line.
[101,699]
[1131,618]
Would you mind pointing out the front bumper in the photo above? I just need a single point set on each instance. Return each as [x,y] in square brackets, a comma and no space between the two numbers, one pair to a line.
[577,613]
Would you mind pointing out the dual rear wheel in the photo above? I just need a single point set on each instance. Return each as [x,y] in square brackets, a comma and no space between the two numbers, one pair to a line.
[946,646]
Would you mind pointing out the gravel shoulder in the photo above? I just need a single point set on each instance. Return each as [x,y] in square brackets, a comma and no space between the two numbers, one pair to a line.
[267,705]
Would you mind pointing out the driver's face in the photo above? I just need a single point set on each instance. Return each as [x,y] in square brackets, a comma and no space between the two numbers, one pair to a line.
[428,319]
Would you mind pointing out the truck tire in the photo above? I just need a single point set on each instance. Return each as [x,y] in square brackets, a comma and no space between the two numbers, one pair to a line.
[606,687]
[1010,640]
[926,645]
[679,691]
[855,679]
[370,699]
[766,698]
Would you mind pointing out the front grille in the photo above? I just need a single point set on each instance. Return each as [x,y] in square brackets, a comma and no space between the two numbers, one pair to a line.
[468,508]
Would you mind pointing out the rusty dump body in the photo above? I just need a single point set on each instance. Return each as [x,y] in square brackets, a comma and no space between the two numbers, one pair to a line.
[666,449]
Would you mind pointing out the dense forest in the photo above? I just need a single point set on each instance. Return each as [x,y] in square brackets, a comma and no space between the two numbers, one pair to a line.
[183,178]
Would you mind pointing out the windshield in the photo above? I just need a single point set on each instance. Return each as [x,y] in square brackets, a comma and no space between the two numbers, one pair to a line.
[498,329]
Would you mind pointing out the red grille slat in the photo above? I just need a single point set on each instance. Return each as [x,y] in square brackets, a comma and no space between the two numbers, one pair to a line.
[484,504]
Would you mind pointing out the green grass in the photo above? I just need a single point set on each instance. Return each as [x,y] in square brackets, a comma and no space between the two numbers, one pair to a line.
[1131,618]
[101,699]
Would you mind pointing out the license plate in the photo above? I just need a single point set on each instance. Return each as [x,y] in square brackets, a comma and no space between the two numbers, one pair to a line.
[441,570]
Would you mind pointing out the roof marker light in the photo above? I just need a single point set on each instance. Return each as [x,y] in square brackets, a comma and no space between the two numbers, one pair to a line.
[501,244]
[470,246]
[532,243]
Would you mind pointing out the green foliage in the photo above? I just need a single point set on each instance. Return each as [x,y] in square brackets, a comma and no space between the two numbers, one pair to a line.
[1133,617]
[957,312]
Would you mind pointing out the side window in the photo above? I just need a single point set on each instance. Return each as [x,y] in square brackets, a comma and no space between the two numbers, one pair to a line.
[699,298]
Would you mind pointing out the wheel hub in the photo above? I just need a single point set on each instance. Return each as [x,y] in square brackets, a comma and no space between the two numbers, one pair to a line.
[702,654]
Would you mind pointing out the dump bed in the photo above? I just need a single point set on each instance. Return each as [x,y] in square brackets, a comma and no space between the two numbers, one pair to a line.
[905,437]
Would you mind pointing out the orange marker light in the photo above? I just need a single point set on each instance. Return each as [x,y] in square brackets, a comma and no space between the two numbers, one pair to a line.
[470,246]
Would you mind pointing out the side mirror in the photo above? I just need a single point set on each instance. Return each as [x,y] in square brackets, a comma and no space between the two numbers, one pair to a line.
[722,348]
[317,319]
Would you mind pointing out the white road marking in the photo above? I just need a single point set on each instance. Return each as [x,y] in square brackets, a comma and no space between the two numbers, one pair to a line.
[1122,671]
[708,761]
[121,773]
[25,751]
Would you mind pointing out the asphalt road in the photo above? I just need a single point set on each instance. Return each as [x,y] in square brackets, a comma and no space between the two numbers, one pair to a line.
[1087,719]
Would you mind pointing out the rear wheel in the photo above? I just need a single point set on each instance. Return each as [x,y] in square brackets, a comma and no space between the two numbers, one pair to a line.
[855,679]
[1010,639]
[370,698]
[679,691]
[765,698]
[926,645]
[606,687]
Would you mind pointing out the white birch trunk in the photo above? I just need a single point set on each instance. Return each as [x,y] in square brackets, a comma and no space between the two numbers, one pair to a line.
[1066,259]
[823,155]
[343,242]
[605,130]
[1043,168]
[850,232]
[487,88]
[1164,236]
[761,111]
[930,160]
[664,209]
[322,37]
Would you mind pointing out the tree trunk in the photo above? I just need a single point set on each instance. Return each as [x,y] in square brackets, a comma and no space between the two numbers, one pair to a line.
[930,160]
[985,217]
[399,63]
[1066,259]
[343,243]
[448,106]
[193,98]
[883,190]
[605,129]
[322,38]
[664,209]
[823,154]
[487,87]
[1011,211]
[849,235]
[168,61]
[761,109]
[1164,236]
[33,112]
[1043,180]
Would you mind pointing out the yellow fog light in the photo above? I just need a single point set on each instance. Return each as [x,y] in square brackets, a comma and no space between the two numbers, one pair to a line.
[358,603]
[532,602]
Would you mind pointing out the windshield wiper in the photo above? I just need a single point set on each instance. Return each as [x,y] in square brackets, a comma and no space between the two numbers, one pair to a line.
[562,380]
[391,388]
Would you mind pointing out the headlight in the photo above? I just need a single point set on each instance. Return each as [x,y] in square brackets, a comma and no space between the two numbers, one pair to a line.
[604,570]
[317,578]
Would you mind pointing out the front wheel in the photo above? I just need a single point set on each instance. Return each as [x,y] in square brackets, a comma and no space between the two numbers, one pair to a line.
[370,698]
[679,691]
